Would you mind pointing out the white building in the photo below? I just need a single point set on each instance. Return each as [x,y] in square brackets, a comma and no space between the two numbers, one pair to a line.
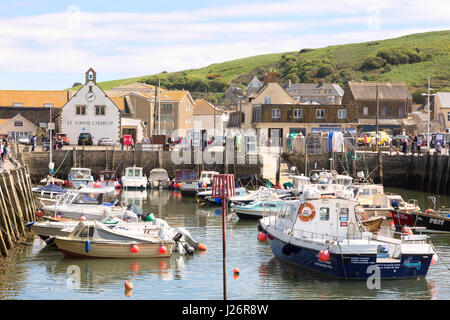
[90,110]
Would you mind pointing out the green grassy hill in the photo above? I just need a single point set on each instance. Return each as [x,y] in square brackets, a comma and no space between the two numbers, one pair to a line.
[408,59]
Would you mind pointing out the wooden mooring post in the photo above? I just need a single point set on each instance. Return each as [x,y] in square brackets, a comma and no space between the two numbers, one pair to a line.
[17,207]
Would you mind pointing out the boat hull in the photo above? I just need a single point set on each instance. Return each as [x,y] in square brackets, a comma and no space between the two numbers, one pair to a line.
[432,223]
[76,248]
[355,267]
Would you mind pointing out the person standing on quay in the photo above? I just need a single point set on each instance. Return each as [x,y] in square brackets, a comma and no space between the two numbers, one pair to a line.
[419,143]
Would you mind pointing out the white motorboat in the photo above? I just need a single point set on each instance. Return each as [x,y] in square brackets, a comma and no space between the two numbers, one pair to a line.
[158,178]
[88,202]
[322,233]
[134,178]
[79,176]
[191,187]
[114,238]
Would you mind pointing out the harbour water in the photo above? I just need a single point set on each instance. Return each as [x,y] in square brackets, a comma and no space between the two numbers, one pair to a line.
[36,272]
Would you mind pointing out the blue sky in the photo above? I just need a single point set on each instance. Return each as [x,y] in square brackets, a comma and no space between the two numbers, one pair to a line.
[48,45]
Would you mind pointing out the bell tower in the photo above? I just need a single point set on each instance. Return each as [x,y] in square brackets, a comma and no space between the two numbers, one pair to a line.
[91,75]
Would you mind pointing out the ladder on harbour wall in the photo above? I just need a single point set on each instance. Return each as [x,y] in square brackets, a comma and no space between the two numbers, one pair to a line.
[17,207]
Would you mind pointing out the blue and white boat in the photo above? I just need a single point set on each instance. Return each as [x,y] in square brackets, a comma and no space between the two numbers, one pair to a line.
[207,195]
[322,233]
[80,176]
[258,209]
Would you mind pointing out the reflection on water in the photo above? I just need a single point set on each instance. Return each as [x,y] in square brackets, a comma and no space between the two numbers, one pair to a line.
[40,272]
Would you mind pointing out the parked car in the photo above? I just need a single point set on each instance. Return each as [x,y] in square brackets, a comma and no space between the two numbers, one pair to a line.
[64,137]
[105,141]
[24,140]
[86,139]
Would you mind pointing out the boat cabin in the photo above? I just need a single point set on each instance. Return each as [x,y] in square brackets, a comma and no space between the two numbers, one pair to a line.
[207,176]
[365,193]
[158,174]
[133,172]
[299,181]
[318,218]
[80,174]
[388,201]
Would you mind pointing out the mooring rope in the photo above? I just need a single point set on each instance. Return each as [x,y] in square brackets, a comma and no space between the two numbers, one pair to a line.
[61,163]
[435,251]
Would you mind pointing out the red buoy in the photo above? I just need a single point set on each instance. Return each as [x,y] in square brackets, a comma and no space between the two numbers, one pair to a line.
[128,285]
[162,249]
[236,271]
[324,255]
[262,236]
[134,248]
[58,216]
[40,212]
[83,218]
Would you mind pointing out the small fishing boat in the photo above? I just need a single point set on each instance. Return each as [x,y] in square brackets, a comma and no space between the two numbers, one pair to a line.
[258,209]
[324,234]
[431,221]
[92,239]
[263,193]
[386,204]
[191,187]
[207,195]
[79,176]
[88,203]
[134,178]
[158,178]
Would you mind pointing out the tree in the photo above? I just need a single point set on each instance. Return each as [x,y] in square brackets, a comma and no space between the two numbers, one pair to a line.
[77,84]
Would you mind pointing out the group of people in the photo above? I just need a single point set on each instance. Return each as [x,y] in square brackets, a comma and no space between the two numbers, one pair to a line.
[414,144]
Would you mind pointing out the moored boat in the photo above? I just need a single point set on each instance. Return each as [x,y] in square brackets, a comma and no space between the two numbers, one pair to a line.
[80,176]
[324,234]
[134,178]
[92,239]
[158,178]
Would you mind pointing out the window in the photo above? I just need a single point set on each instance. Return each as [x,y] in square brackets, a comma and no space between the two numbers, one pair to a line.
[18,123]
[298,113]
[276,113]
[316,100]
[100,110]
[17,104]
[267,100]
[187,107]
[84,233]
[342,113]
[383,111]
[330,99]
[401,112]
[365,111]
[324,214]
[448,116]
[81,110]
[320,113]
[48,105]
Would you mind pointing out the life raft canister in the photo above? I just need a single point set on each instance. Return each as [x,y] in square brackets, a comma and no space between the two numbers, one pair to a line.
[306,212]
[429,211]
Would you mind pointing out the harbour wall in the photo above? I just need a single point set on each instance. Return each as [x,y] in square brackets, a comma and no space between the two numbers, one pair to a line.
[427,173]
[117,160]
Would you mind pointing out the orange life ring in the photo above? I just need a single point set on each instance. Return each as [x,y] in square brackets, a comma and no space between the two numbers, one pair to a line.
[305,216]
[429,211]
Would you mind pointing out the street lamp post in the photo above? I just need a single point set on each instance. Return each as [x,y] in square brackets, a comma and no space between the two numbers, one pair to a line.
[429,109]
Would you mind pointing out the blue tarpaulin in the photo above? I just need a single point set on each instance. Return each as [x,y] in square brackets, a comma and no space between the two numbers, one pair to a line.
[330,141]
[52,188]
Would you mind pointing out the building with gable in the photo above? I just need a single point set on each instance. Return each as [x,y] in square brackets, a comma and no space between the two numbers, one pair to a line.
[90,110]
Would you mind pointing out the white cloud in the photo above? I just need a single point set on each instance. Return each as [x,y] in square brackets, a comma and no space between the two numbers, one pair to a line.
[146,43]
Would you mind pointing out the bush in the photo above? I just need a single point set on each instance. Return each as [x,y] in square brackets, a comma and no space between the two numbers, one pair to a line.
[211,76]
[372,63]
[324,70]
[418,97]
[387,68]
